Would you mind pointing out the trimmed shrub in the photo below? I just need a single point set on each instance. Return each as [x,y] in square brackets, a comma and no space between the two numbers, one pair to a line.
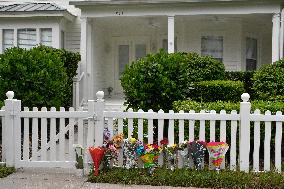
[37,76]
[190,178]
[211,91]
[269,81]
[263,106]
[5,171]
[157,80]
[70,61]
[245,77]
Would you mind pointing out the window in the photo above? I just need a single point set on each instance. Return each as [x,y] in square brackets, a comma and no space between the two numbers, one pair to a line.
[212,46]
[140,51]
[27,38]
[46,36]
[123,57]
[8,38]
[251,54]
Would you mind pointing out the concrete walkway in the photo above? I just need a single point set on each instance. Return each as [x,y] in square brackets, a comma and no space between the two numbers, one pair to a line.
[59,179]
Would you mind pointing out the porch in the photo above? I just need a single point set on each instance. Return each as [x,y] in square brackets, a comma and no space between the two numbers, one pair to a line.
[242,40]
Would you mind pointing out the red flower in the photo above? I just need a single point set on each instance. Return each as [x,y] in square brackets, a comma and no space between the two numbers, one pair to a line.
[155,146]
[165,141]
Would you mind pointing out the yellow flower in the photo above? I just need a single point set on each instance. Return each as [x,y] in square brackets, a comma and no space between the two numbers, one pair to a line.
[132,140]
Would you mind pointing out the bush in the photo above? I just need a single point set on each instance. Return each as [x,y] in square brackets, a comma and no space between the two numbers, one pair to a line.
[269,81]
[70,61]
[245,77]
[263,106]
[5,171]
[211,91]
[37,76]
[190,178]
[156,81]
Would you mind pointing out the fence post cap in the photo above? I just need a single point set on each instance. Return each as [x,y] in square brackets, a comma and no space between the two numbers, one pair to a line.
[100,95]
[10,95]
[245,97]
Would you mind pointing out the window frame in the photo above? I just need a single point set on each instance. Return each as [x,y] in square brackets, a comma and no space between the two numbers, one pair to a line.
[16,38]
[3,39]
[214,37]
[257,53]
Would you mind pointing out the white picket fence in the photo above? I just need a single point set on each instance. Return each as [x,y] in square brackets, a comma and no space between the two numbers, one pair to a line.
[33,138]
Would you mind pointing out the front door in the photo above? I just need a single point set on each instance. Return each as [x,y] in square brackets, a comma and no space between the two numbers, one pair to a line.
[127,50]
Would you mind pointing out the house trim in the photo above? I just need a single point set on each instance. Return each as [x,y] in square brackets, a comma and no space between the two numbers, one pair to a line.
[145,2]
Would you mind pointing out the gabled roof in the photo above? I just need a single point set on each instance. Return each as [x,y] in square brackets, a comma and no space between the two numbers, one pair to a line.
[29,7]
[34,10]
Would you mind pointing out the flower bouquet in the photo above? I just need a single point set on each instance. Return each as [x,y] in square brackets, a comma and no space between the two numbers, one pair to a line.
[171,155]
[197,151]
[129,153]
[79,156]
[97,154]
[183,152]
[148,153]
[217,151]
[111,152]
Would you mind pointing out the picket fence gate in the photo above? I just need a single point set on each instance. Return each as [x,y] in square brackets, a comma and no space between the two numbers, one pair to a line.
[33,138]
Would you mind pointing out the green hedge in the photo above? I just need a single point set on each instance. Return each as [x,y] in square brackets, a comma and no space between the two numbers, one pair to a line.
[245,77]
[157,80]
[269,81]
[190,178]
[211,91]
[40,77]
[5,171]
[263,106]
[70,61]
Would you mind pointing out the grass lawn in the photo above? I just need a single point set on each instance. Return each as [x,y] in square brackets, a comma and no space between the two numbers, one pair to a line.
[190,178]
[5,171]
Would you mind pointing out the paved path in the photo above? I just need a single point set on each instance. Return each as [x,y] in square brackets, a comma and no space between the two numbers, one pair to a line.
[59,179]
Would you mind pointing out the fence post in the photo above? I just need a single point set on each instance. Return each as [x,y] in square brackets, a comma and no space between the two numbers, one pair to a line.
[8,136]
[99,118]
[244,147]
[17,131]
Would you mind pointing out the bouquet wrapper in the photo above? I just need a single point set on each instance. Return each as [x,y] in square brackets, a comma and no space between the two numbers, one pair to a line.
[217,151]
[197,150]
[148,160]
[97,154]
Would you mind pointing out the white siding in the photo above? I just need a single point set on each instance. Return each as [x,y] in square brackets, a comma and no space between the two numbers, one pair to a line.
[73,36]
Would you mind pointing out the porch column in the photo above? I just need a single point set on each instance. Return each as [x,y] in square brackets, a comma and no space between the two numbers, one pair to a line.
[282,34]
[171,34]
[85,50]
[276,37]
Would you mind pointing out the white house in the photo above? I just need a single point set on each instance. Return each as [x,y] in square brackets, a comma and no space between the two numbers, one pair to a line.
[243,34]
